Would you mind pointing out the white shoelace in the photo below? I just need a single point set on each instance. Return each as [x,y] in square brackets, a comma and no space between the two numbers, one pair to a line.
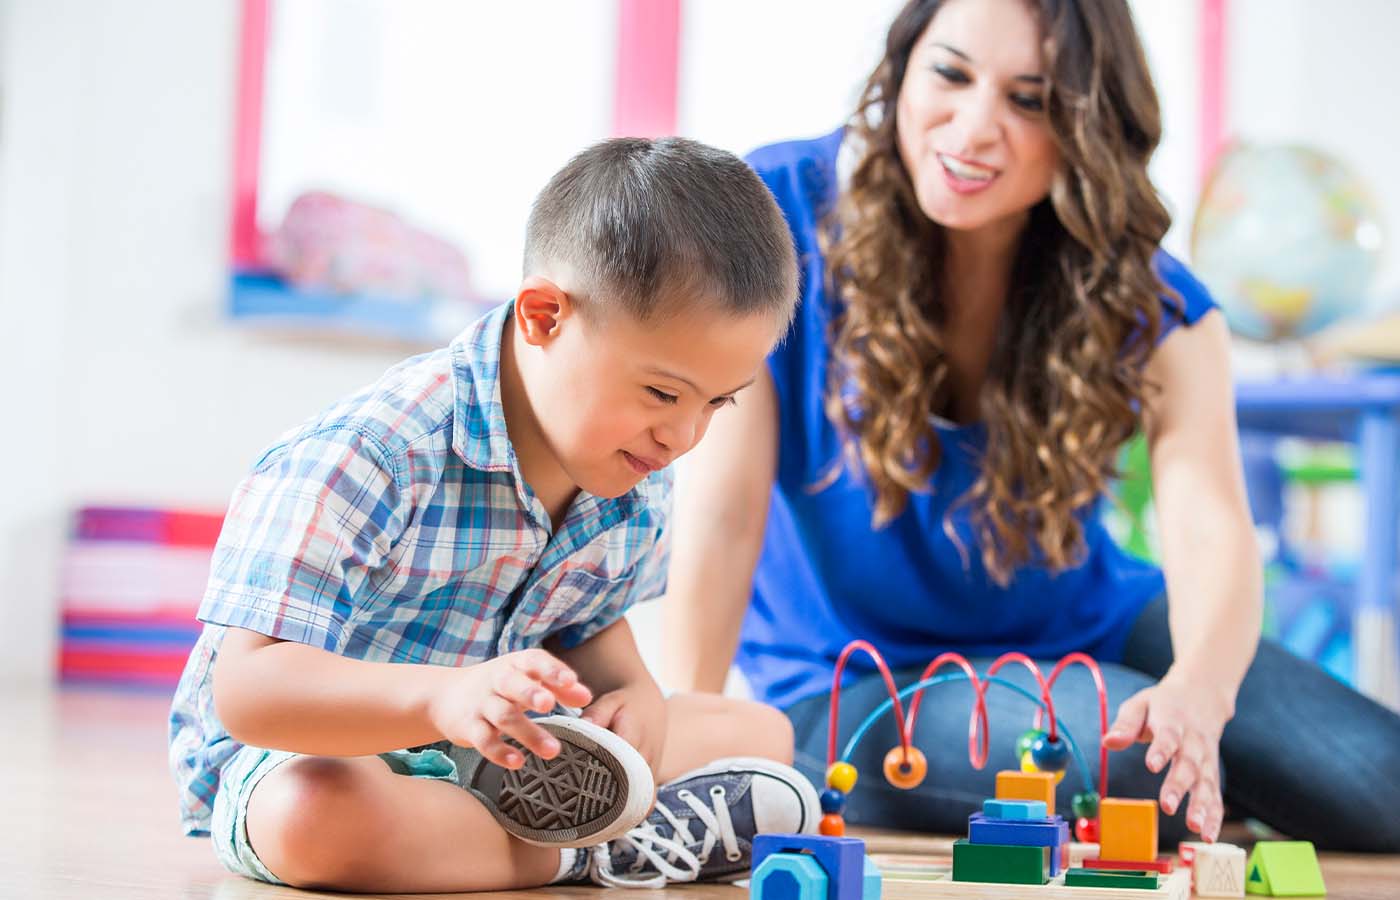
[680,863]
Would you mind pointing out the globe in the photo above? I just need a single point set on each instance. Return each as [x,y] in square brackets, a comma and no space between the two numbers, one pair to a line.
[1287,239]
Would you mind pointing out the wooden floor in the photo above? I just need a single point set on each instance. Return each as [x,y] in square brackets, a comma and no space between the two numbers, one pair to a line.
[87,810]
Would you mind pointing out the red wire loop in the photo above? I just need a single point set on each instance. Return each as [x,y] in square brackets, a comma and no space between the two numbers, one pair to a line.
[977,729]
[836,696]
[1087,662]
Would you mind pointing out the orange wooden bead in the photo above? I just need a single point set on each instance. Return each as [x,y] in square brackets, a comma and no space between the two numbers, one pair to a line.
[905,772]
[832,825]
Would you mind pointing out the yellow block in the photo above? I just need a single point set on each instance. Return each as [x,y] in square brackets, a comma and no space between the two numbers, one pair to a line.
[1127,829]
[1027,786]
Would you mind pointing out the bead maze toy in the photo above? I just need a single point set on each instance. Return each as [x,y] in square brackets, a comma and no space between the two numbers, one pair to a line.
[1017,847]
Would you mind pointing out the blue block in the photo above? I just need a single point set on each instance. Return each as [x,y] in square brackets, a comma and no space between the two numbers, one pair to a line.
[873,881]
[841,858]
[1017,810]
[789,876]
[1052,832]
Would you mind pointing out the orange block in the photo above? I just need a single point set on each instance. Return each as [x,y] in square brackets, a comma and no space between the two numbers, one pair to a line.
[1128,829]
[1027,786]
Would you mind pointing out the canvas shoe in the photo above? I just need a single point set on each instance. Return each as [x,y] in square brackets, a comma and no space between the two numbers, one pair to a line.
[703,825]
[596,789]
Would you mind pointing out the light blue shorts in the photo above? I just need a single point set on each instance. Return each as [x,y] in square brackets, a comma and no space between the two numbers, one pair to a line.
[228,829]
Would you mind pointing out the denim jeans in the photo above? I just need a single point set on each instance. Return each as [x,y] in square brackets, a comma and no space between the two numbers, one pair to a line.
[1304,753]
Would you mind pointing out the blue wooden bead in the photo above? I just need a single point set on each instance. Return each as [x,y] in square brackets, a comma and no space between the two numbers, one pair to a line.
[833,801]
[1023,743]
[1050,756]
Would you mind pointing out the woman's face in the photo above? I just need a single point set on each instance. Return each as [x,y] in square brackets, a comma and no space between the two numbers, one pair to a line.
[970,115]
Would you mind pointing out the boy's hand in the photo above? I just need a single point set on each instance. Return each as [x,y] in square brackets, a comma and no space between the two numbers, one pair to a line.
[637,714]
[478,706]
[1183,720]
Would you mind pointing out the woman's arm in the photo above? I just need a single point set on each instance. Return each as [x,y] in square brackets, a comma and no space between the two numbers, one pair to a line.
[721,511]
[1212,567]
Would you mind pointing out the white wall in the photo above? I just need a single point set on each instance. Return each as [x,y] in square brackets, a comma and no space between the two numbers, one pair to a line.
[121,383]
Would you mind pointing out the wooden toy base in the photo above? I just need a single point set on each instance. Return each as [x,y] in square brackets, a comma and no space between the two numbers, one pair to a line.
[931,878]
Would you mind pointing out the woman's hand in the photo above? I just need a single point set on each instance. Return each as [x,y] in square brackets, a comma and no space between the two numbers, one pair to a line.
[1182,717]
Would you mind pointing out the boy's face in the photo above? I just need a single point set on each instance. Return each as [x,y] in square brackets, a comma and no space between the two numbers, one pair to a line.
[617,399]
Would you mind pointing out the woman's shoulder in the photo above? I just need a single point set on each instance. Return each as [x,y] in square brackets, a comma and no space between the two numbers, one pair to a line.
[799,171]
[1186,299]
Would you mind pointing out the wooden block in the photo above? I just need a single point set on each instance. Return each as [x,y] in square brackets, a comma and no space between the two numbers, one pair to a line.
[1186,851]
[1027,786]
[1162,865]
[1079,851]
[1000,864]
[1145,881]
[1284,869]
[1218,870]
[1128,829]
[1018,810]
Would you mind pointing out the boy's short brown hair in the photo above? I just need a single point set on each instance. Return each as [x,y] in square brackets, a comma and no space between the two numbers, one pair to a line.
[642,221]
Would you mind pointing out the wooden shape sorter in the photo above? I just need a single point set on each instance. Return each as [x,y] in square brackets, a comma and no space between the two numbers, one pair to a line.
[930,877]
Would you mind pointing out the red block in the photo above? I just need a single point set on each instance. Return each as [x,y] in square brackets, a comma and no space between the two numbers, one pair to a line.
[1162,864]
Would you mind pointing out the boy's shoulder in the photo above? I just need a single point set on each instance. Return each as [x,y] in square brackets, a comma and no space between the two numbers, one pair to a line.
[409,405]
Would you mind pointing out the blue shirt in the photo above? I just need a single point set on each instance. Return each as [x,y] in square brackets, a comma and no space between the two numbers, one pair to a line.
[395,527]
[826,577]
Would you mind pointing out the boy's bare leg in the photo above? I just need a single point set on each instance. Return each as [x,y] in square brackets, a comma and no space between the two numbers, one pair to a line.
[701,728]
[352,824]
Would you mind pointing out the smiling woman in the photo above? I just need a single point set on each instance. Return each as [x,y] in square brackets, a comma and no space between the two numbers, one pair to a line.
[987,316]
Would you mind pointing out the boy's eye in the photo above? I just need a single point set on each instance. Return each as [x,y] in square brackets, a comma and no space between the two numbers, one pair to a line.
[724,401]
[662,395]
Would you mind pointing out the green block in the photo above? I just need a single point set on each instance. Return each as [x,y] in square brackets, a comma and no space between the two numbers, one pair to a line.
[1000,864]
[1105,878]
[1284,869]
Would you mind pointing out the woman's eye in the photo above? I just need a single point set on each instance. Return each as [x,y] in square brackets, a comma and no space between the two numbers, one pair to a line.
[1028,102]
[662,395]
[952,74]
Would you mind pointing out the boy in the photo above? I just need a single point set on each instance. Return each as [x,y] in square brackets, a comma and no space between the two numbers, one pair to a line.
[453,548]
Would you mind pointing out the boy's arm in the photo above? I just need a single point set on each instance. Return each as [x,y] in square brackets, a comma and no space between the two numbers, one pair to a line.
[290,696]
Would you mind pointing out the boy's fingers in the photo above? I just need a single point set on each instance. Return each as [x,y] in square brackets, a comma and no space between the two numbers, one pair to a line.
[508,718]
[487,741]
[525,692]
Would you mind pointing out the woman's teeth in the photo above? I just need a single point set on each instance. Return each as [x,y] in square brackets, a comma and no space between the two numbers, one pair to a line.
[964,171]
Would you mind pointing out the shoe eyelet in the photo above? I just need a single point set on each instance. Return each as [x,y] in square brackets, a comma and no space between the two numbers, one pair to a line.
[683,793]
[734,857]
[717,791]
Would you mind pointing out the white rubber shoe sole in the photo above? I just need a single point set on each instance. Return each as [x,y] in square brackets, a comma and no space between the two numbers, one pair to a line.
[597,789]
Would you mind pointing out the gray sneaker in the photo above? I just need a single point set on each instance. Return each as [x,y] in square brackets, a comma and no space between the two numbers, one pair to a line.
[704,822]
[596,789]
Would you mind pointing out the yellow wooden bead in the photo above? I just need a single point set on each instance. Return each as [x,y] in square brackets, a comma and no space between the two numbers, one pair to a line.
[905,772]
[841,776]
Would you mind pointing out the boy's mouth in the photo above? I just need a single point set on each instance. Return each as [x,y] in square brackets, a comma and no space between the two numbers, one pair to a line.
[643,465]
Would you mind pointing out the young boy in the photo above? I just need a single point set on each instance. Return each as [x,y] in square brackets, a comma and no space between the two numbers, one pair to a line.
[453,548]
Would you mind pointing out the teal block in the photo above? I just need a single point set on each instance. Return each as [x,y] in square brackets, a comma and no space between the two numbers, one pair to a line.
[789,876]
[1017,810]
[873,881]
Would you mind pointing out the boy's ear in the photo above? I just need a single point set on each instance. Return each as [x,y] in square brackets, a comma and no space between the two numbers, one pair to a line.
[540,306]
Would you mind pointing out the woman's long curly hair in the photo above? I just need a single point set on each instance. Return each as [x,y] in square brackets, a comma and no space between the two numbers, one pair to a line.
[1066,379]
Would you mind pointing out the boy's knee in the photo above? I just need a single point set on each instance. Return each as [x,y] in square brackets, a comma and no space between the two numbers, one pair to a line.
[773,729]
[306,823]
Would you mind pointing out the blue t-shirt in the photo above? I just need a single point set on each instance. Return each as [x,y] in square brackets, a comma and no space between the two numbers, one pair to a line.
[827,577]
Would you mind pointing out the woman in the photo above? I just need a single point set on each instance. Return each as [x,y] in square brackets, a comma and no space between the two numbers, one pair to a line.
[986,318]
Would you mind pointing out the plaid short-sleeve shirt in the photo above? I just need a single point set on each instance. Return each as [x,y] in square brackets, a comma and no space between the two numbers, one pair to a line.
[395,527]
